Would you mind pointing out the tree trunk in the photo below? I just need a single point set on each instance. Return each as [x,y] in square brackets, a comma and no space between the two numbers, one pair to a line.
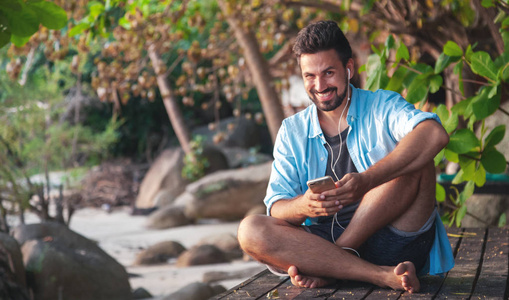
[170,102]
[259,70]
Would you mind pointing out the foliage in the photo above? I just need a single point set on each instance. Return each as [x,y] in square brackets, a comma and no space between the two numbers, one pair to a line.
[476,155]
[34,139]
[195,163]
[19,19]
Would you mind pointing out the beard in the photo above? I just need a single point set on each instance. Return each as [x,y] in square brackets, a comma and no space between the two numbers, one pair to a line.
[333,103]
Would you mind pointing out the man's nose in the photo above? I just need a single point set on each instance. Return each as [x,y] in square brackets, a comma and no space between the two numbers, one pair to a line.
[320,84]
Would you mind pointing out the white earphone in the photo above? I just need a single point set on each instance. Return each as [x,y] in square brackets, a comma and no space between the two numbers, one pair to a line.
[348,73]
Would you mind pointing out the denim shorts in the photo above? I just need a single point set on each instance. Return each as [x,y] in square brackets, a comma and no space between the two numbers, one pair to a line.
[389,246]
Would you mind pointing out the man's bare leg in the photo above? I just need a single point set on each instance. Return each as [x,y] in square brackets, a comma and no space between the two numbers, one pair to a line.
[406,203]
[282,245]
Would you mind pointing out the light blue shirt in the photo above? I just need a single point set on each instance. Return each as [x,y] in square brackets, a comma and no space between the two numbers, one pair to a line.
[377,122]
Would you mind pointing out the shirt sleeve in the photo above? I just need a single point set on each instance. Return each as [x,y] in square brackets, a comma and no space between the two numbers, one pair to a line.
[284,179]
[402,116]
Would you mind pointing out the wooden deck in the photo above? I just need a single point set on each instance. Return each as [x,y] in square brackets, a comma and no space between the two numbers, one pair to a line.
[481,272]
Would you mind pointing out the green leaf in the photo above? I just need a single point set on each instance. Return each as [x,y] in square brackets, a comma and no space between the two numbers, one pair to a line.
[78,29]
[493,161]
[377,73]
[389,42]
[451,156]
[19,41]
[435,83]
[24,23]
[502,220]
[418,90]
[402,52]
[452,122]
[495,137]
[96,9]
[467,192]
[483,106]
[461,107]
[468,53]
[480,176]
[440,193]
[487,3]
[452,49]
[462,211]
[5,34]
[442,62]
[462,141]
[458,178]
[50,15]
[396,81]
[468,167]
[438,158]
[482,64]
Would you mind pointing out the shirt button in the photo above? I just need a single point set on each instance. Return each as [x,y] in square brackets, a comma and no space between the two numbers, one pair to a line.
[321,158]
[351,119]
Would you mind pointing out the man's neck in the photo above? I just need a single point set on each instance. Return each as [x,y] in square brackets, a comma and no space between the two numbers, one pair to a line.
[329,120]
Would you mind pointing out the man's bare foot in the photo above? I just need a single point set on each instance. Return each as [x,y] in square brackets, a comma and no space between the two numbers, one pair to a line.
[307,281]
[408,276]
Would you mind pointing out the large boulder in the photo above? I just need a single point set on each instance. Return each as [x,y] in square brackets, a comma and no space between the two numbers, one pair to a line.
[228,195]
[201,255]
[12,271]
[196,291]
[159,253]
[163,181]
[226,242]
[168,217]
[61,264]
[164,174]
[484,210]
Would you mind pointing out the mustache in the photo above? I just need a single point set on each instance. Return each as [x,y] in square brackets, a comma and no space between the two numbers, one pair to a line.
[314,91]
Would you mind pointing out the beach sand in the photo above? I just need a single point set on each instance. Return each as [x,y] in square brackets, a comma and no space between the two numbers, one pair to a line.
[123,236]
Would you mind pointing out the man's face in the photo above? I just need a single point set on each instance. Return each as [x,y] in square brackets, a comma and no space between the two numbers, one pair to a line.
[325,79]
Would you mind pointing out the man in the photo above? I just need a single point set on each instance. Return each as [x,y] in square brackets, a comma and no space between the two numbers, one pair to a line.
[380,223]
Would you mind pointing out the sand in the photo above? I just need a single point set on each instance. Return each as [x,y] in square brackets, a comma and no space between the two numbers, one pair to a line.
[122,236]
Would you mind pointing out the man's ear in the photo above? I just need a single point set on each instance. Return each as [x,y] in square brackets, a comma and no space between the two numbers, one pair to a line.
[350,66]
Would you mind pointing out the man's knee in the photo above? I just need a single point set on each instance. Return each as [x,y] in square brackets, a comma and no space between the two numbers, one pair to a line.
[253,233]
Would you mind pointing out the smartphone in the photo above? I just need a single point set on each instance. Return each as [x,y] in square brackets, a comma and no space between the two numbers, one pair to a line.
[321,184]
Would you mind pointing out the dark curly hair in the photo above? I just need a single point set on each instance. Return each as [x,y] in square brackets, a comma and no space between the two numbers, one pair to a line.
[322,36]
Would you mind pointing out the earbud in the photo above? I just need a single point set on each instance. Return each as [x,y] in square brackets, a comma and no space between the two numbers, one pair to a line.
[348,73]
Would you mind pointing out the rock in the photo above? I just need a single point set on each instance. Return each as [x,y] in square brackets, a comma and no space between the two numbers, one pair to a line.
[229,194]
[12,272]
[486,208]
[257,210]
[226,242]
[168,217]
[141,293]
[15,258]
[241,158]
[62,264]
[201,255]
[195,291]
[216,159]
[163,198]
[164,174]
[159,253]
[245,134]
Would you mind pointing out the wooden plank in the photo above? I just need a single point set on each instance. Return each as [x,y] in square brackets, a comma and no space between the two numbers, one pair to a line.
[492,281]
[258,285]
[349,289]
[460,280]
[430,285]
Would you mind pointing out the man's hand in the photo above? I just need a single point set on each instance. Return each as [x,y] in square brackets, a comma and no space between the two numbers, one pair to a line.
[318,205]
[351,188]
